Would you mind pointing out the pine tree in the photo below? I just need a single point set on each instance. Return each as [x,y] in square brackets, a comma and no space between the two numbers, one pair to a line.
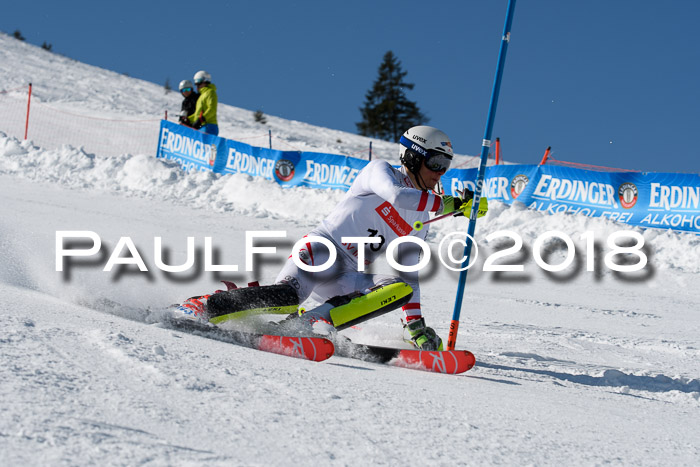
[18,35]
[387,112]
[260,117]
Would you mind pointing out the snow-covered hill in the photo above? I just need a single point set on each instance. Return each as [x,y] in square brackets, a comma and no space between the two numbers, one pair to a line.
[574,367]
[79,89]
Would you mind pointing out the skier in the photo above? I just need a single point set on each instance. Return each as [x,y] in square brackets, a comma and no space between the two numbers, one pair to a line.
[382,203]
[189,101]
[204,116]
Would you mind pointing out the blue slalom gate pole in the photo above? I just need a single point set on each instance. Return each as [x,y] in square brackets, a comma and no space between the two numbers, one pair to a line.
[486,144]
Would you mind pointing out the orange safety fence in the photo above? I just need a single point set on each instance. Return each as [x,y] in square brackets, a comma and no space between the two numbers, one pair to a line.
[578,165]
[252,139]
[361,154]
[20,88]
[547,158]
[51,128]
[13,111]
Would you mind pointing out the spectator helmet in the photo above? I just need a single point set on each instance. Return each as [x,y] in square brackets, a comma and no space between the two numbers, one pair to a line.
[184,84]
[202,77]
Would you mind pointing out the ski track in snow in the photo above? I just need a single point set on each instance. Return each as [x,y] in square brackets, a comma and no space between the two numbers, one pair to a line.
[578,368]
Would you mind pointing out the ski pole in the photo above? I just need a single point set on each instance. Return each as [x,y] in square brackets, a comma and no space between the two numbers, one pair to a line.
[486,144]
[418,225]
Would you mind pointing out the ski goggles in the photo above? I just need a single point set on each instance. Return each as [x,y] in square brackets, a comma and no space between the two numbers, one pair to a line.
[186,89]
[435,161]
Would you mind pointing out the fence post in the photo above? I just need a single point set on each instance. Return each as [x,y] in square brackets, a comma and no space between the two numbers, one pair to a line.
[546,156]
[166,114]
[370,151]
[269,133]
[497,150]
[29,100]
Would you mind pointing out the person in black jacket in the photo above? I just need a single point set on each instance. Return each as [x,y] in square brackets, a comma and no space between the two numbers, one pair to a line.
[189,103]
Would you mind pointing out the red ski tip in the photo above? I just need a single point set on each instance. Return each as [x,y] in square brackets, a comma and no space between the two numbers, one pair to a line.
[449,361]
[317,349]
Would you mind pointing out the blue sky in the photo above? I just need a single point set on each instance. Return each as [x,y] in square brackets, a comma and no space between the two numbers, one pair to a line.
[604,82]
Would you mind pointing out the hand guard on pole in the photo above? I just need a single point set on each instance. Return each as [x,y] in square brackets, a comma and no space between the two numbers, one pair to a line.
[462,206]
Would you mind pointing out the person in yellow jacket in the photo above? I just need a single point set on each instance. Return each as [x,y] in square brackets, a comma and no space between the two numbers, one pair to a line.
[204,117]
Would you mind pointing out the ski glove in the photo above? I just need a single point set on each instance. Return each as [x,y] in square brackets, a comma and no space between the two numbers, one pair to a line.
[200,122]
[463,206]
[423,337]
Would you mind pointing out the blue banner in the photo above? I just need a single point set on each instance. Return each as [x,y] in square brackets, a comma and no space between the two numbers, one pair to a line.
[318,170]
[200,151]
[193,149]
[660,200]
[501,182]
[251,160]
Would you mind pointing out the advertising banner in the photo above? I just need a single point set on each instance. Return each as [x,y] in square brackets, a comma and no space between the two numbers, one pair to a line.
[293,168]
[318,170]
[660,200]
[199,151]
[193,149]
[247,159]
[501,182]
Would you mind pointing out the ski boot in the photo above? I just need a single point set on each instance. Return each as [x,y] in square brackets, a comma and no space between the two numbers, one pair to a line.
[422,337]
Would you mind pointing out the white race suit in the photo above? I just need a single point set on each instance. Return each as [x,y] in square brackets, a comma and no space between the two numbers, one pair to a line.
[383,203]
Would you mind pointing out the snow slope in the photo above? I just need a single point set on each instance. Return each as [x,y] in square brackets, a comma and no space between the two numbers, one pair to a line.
[575,367]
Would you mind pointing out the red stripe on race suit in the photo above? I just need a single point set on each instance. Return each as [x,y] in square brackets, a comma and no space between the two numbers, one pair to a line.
[311,253]
[423,201]
[308,248]
[436,204]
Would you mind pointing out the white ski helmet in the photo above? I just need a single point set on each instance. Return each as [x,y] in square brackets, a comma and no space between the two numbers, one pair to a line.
[425,144]
[202,77]
[184,84]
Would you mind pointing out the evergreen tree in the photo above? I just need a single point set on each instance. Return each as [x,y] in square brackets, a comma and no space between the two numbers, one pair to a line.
[46,46]
[167,86]
[387,112]
[18,35]
[260,117]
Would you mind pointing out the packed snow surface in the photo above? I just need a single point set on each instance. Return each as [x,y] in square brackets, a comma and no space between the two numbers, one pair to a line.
[573,367]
